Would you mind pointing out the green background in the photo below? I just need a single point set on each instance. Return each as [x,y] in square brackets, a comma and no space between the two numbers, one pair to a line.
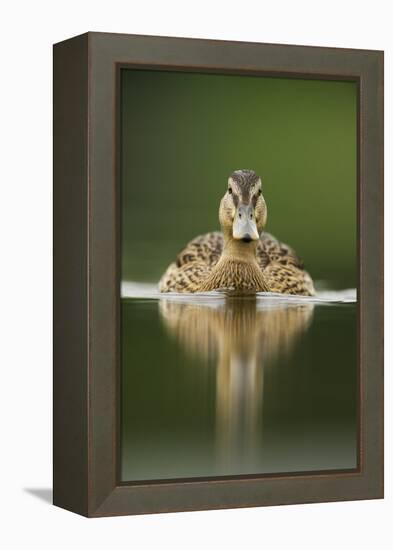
[184,133]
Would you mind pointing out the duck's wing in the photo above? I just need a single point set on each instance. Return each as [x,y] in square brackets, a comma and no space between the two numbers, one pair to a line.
[193,264]
[282,267]
[205,249]
[271,250]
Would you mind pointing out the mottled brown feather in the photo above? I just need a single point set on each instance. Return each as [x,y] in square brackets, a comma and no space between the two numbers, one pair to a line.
[278,265]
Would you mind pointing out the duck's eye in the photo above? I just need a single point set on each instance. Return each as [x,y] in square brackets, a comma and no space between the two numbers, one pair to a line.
[260,192]
[230,190]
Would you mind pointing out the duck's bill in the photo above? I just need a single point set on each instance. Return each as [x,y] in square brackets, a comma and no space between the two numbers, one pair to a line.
[244,226]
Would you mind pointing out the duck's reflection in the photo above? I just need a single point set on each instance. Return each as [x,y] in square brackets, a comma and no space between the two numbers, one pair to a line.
[243,336]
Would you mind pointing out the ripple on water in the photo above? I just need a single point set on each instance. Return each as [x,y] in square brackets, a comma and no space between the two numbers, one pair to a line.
[149,291]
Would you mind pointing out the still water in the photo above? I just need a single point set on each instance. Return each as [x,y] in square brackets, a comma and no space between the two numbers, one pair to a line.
[216,384]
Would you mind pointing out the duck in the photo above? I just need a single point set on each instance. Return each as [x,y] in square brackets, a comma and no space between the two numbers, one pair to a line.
[241,257]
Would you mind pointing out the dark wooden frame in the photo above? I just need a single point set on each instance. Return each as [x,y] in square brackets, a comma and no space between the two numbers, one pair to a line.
[86,273]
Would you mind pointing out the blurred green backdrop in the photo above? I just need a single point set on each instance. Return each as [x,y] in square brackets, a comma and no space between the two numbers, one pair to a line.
[184,133]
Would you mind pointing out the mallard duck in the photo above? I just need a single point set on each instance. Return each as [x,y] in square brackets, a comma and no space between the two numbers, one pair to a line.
[241,257]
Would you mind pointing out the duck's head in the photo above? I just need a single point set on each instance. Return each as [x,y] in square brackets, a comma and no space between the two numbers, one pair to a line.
[243,209]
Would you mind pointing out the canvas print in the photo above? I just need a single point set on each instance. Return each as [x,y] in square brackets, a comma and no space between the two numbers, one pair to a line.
[239,316]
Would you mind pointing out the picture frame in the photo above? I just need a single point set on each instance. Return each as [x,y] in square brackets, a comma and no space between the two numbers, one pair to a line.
[86,381]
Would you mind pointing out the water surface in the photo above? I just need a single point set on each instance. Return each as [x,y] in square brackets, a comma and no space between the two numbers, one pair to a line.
[216,384]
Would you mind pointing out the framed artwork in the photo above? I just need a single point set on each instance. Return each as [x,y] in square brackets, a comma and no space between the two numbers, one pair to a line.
[218,274]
